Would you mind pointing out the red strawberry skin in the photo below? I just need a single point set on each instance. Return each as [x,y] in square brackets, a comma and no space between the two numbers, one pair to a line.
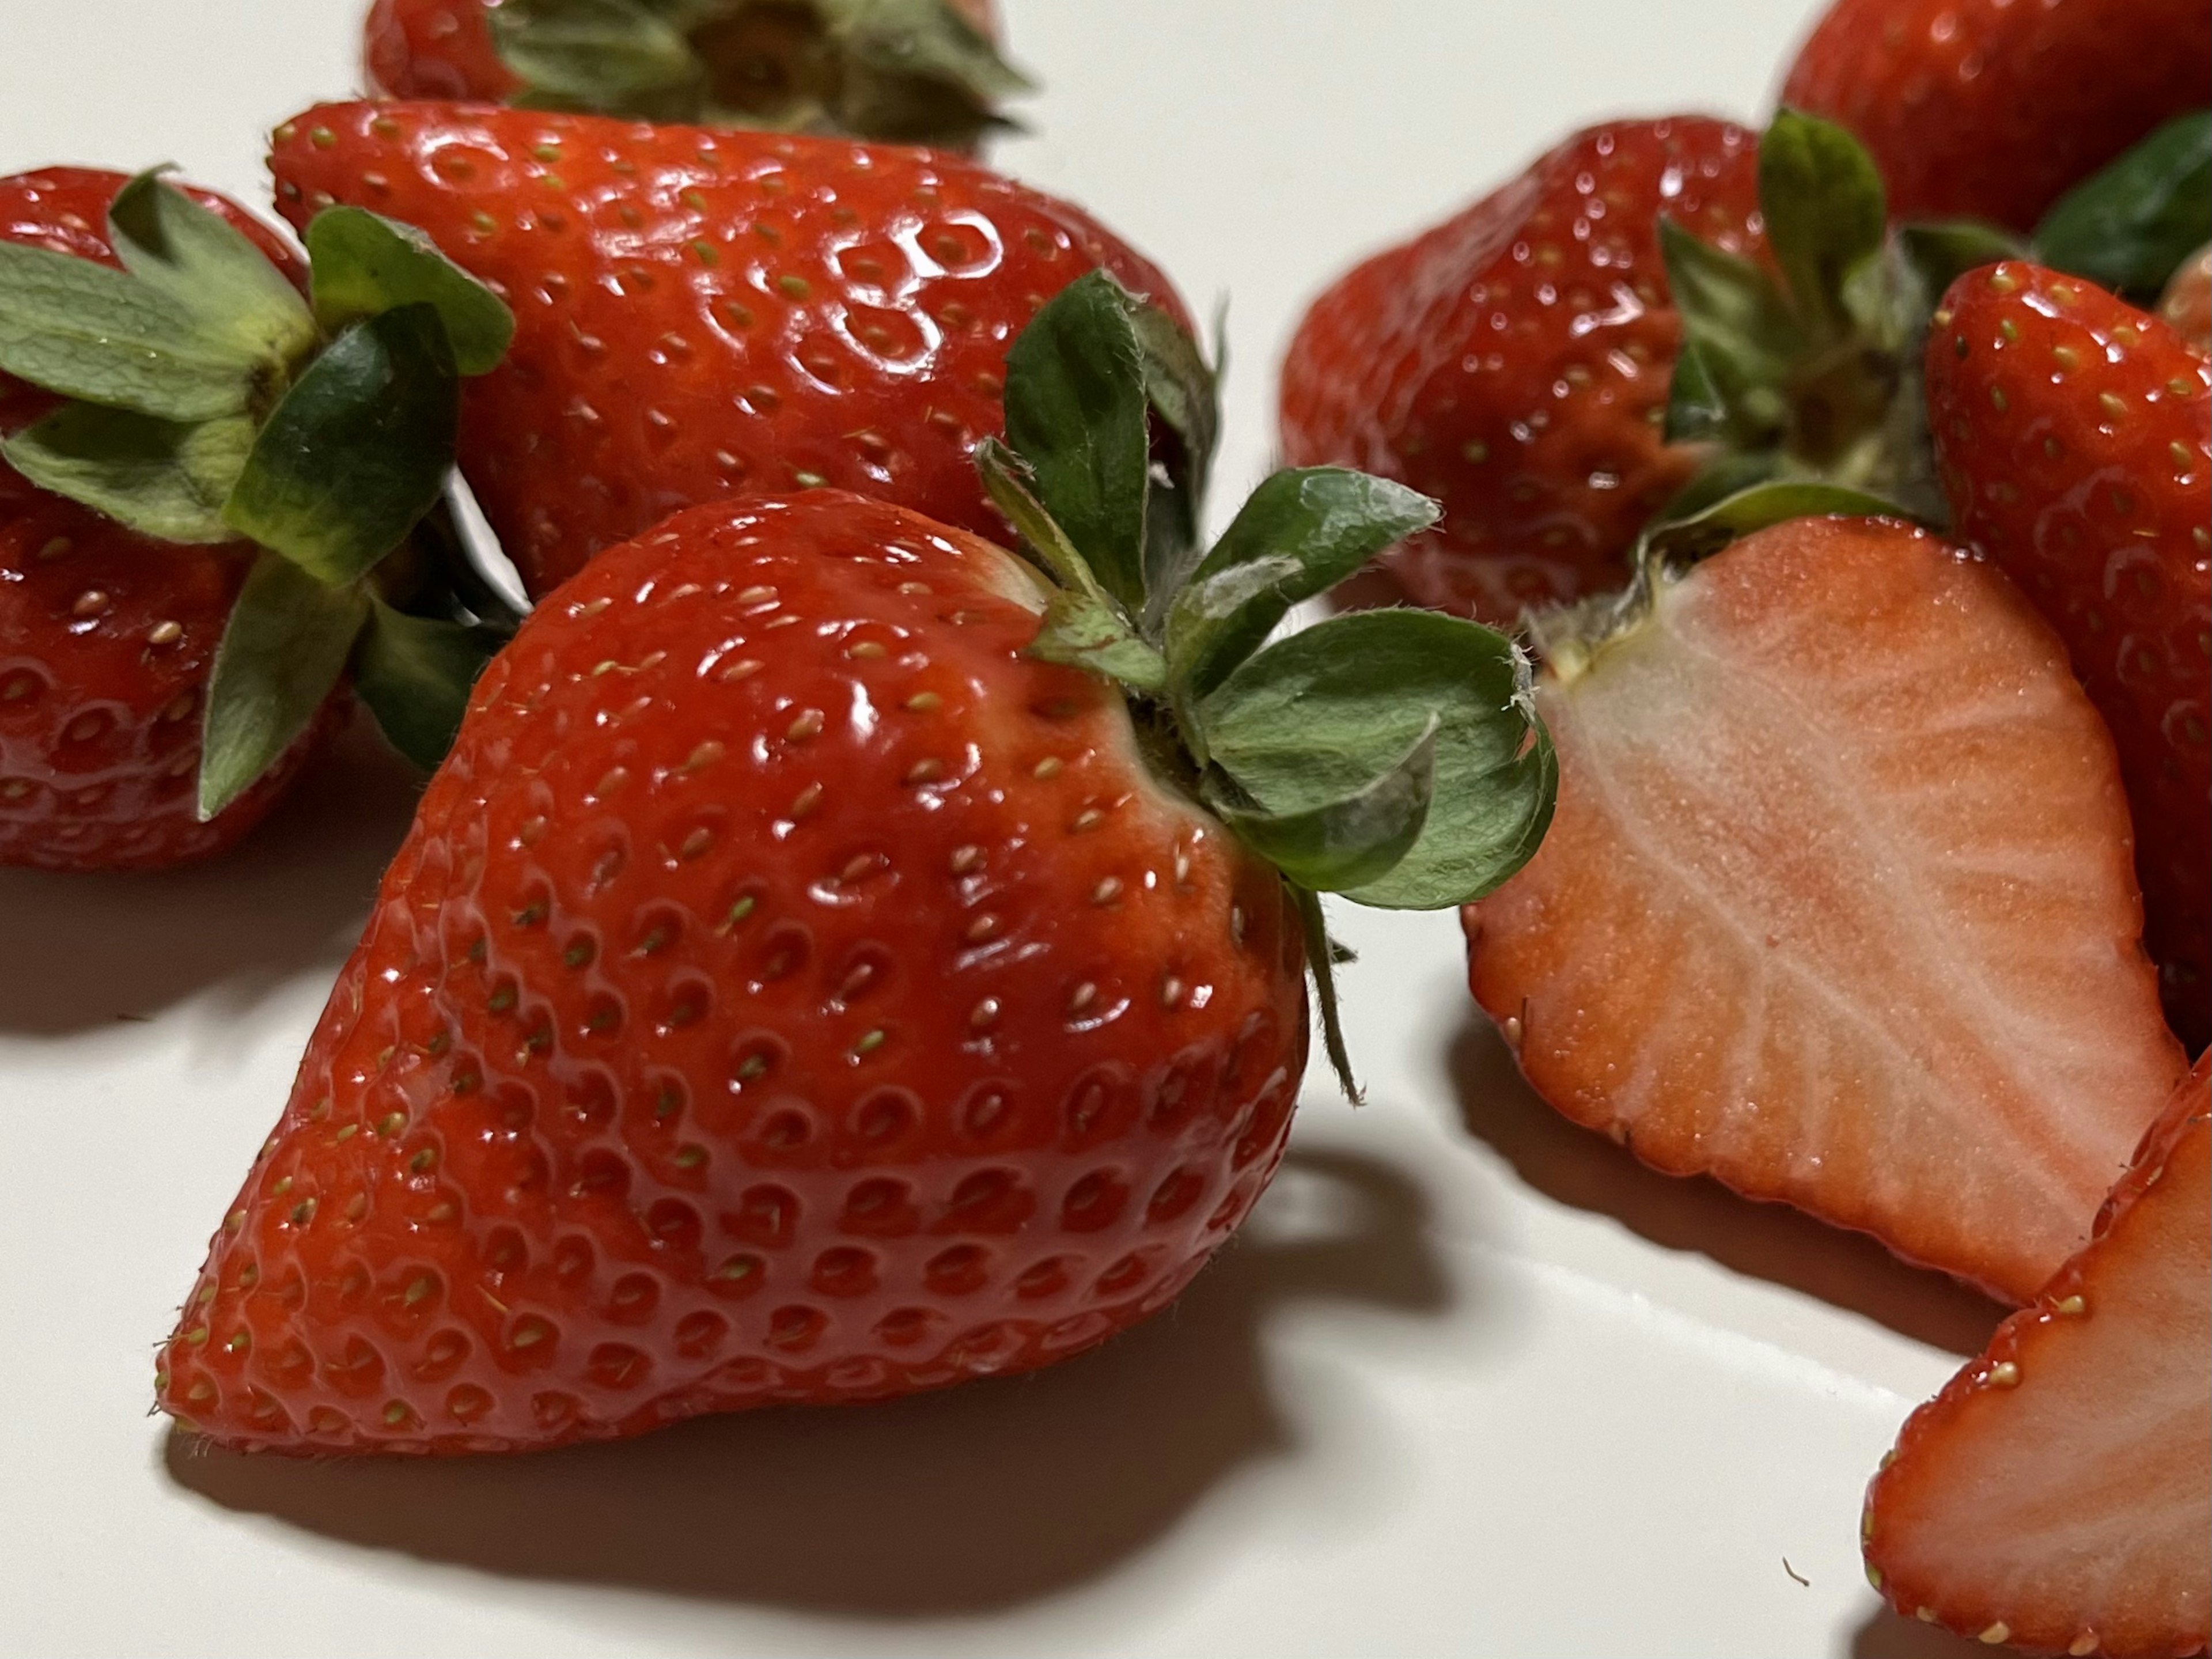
[703,314]
[789,991]
[1514,362]
[1837,905]
[107,638]
[434,49]
[2073,436]
[1992,109]
[2057,1494]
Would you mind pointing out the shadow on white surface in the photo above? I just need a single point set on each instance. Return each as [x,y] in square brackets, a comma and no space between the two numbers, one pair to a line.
[1887,1635]
[1772,1241]
[292,895]
[983,1497]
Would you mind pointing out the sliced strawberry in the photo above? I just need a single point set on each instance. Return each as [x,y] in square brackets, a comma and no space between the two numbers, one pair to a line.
[2057,1494]
[1838,905]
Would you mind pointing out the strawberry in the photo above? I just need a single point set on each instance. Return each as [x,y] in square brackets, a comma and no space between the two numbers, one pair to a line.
[2074,438]
[2187,305]
[1513,362]
[2057,1494]
[1989,109]
[701,313]
[913,71]
[1838,905]
[106,636]
[809,978]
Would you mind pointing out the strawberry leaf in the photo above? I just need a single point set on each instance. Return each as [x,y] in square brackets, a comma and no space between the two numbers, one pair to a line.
[1698,534]
[210,271]
[1826,213]
[616,57]
[282,651]
[166,479]
[2129,226]
[1323,954]
[1185,393]
[1740,337]
[1077,412]
[415,674]
[1298,534]
[1344,843]
[103,335]
[1079,631]
[929,39]
[365,265]
[1939,254]
[1302,725]
[358,450]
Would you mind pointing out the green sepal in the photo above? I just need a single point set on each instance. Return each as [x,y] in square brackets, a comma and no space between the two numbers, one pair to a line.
[358,450]
[1826,211]
[88,332]
[1705,533]
[1323,954]
[210,270]
[1739,336]
[363,265]
[1344,843]
[615,57]
[285,645]
[1184,390]
[2129,226]
[1304,722]
[1078,413]
[929,39]
[415,674]
[1722,476]
[1082,633]
[1938,254]
[166,479]
[1298,535]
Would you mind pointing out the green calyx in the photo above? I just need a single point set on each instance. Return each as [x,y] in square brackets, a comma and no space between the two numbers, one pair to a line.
[1810,371]
[909,72]
[206,401]
[1392,757]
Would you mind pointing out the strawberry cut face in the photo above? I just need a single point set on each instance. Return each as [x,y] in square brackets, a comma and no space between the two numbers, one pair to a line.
[1837,904]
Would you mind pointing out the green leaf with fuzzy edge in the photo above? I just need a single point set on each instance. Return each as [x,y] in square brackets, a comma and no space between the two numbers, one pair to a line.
[1345,843]
[1739,334]
[166,479]
[1323,955]
[1298,535]
[211,271]
[1938,254]
[616,57]
[928,39]
[2129,226]
[1079,631]
[88,332]
[1078,413]
[1826,211]
[415,674]
[1185,393]
[282,651]
[1307,721]
[1706,531]
[357,451]
[364,264]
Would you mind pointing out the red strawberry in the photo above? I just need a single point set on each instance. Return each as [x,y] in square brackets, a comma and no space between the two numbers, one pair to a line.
[107,637]
[2073,434]
[1839,904]
[1514,362]
[2057,1494]
[701,313]
[1990,109]
[802,981]
[912,71]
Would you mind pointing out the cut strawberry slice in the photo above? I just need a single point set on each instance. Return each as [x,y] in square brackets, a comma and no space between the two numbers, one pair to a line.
[1839,904]
[2057,1494]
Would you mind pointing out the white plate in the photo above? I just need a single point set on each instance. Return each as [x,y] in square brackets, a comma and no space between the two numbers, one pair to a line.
[1470,1382]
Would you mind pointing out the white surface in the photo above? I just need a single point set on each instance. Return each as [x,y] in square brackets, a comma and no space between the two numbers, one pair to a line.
[1471,1383]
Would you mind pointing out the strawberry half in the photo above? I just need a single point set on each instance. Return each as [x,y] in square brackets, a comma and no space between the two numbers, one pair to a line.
[2057,1494]
[701,313]
[1988,109]
[169,396]
[906,71]
[1838,905]
[1513,362]
[839,959]
[2074,438]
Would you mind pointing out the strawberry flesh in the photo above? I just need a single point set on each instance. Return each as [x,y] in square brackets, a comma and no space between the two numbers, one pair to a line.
[1837,904]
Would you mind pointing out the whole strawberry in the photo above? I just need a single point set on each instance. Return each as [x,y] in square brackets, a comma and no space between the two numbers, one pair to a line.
[2073,434]
[1838,906]
[838,959]
[703,313]
[168,399]
[911,71]
[1514,363]
[1991,109]
[2056,1496]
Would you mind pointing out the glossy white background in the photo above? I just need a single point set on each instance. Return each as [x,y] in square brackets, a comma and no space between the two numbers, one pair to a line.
[1470,1382]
